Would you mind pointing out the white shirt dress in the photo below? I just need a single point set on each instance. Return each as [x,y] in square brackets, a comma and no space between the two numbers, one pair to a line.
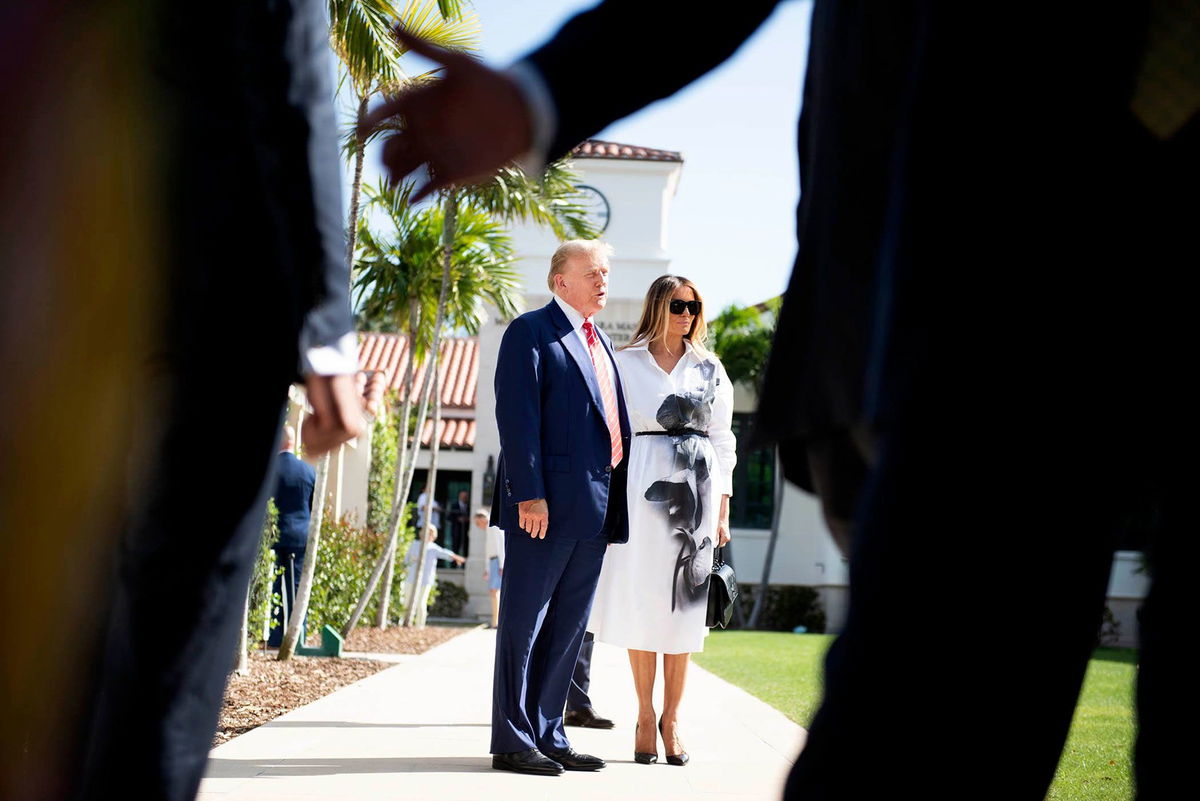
[653,590]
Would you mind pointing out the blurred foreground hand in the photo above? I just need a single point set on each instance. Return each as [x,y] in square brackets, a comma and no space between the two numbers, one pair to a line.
[465,126]
[336,413]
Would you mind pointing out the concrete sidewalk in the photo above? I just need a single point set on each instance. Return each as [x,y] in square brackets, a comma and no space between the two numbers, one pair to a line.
[420,730]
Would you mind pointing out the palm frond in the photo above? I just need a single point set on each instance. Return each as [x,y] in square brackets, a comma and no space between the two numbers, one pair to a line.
[360,32]
[427,20]
[554,202]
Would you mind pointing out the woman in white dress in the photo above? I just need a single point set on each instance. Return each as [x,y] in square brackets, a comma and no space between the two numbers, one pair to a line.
[653,590]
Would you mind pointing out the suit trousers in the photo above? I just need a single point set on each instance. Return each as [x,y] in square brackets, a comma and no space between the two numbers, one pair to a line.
[291,561]
[581,679]
[548,590]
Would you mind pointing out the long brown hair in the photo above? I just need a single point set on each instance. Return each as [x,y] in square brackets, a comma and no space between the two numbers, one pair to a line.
[656,314]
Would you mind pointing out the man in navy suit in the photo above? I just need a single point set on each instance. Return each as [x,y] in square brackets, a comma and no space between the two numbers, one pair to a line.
[561,501]
[294,483]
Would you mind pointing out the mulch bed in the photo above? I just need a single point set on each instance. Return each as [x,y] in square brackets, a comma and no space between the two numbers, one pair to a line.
[273,687]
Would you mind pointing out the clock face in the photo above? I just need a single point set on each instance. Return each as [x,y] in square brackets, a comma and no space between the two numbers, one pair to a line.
[596,206]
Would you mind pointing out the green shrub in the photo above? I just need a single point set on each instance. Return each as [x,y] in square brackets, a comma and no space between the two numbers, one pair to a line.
[345,557]
[262,598]
[786,607]
[448,600]
[381,478]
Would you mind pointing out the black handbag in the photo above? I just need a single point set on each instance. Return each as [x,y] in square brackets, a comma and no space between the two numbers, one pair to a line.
[722,592]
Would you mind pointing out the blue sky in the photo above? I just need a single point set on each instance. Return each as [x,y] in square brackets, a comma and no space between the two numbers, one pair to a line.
[732,226]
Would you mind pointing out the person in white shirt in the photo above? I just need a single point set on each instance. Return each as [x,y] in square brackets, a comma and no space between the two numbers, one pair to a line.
[433,552]
[493,567]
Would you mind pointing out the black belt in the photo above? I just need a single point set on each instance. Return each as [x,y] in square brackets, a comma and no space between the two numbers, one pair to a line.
[673,432]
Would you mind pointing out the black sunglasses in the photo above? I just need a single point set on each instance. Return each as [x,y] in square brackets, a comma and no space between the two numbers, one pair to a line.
[693,306]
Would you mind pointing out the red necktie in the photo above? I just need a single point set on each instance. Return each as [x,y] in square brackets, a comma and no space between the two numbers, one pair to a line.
[608,390]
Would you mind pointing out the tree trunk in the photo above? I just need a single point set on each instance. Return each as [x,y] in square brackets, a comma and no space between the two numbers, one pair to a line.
[385,593]
[243,659]
[760,595]
[300,608]
[449,226]
[356,186]
[414,584]
[403,485]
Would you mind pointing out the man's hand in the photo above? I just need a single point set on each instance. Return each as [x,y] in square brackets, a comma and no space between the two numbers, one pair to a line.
[459,560]
[465,126]
[534,517]
[336,413]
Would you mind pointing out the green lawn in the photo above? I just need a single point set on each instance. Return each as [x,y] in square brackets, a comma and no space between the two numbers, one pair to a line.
[780,668]
[785,671]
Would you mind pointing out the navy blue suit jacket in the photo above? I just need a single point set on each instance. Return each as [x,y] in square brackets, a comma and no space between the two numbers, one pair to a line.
[554,440]
[293,498]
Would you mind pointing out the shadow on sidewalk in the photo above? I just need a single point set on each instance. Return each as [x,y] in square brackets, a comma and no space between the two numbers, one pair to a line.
[249,768]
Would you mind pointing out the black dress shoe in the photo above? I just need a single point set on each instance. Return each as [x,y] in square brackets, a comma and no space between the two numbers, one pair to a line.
[586,718]
[571,759]
[531,761]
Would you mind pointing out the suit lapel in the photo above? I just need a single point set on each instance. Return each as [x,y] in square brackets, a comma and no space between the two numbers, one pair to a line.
[583,359]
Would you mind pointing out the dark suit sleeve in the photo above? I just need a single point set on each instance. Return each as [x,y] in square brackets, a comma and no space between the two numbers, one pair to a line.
[310,96]
[312,483]
[519,411]
[622,55]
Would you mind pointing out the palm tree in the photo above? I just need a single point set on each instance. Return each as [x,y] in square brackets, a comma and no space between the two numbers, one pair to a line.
[509,195]
[400,285]
[360,32]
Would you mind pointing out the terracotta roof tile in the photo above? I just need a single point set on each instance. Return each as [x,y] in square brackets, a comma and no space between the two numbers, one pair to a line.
[455,433]
[458,367]
[598,149]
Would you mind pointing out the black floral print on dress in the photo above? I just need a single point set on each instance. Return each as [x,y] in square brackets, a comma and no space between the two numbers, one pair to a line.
[681,494]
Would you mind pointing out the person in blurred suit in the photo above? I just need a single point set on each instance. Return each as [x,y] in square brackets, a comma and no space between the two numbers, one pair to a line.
[949,370]
[254,297]
[294,483]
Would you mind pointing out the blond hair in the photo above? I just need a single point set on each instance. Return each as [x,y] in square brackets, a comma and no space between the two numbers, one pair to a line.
[656,315]
[593,248]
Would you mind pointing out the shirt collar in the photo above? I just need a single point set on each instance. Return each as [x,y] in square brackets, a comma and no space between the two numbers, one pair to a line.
[573,317]
[688,348]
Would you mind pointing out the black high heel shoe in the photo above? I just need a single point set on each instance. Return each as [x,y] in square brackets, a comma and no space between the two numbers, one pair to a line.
[643,757]
[681,758]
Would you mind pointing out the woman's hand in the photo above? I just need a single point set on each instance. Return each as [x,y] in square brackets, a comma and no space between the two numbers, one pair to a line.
[723,535]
